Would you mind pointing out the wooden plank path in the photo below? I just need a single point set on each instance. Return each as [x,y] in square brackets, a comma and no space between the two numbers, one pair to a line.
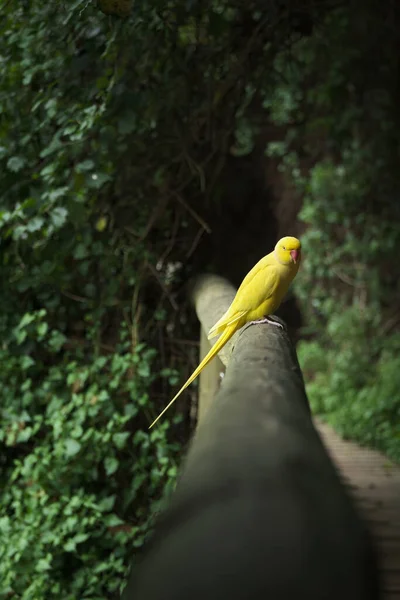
[374,482]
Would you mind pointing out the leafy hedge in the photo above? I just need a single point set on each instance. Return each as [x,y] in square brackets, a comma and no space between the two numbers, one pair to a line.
[81,475]
[112,134]
[340,151]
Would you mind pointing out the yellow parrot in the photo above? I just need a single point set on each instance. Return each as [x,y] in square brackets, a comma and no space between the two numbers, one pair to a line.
[259,295]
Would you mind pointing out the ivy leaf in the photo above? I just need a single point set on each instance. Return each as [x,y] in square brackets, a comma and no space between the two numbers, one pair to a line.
[111,465]
[113,521]
[97,180]
[57,340]
[85,165]
[58,193]
[27,362]
[26,320]
[59,216]
[72,447]
[43,564]
[106,504]
[80,251]
[54,145]
[35,224]
[15,164]
[42,329]
[120,439]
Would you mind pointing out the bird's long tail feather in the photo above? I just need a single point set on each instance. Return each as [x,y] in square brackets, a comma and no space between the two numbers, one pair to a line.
[225,321]
[219,344]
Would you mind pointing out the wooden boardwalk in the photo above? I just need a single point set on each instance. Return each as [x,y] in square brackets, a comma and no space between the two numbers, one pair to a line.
[375,485]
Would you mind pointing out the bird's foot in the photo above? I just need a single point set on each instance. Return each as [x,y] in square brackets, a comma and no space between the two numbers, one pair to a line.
[266,320]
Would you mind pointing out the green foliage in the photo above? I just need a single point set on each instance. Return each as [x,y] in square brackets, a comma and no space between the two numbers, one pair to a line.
[339,150]
[81,476]
[111,131]
[75,461]
[355,384]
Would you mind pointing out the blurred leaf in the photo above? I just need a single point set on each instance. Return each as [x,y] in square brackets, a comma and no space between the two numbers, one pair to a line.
[111,465]
[72,447]
[16,164]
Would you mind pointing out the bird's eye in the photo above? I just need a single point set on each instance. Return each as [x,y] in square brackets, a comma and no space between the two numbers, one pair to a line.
[284,247]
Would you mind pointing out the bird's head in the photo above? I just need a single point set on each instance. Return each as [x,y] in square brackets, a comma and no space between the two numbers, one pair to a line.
[288,250]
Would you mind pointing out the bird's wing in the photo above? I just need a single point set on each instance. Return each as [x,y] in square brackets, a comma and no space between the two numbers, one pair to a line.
[259,284]
[224,321]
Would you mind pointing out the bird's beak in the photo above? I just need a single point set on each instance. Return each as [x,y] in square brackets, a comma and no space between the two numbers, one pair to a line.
[295,255]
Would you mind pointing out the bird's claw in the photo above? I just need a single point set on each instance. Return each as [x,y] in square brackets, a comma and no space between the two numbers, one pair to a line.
[266,320]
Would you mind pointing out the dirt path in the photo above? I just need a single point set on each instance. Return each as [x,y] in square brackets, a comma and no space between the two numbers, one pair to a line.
[375,484]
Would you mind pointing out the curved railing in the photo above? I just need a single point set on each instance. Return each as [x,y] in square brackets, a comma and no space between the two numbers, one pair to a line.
[259,511]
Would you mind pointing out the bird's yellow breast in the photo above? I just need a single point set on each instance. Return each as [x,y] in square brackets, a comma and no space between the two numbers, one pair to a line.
[285,276]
